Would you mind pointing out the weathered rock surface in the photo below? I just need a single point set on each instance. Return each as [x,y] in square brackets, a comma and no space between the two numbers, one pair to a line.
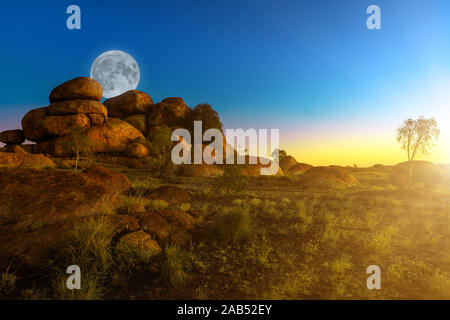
[62,125]
[117,182]
[129,103]
[174,100]
[39,208]
[12,136]
[168,226]
[139,121]
[14,148]
[170,194]
[170,114]
[141,240]
[15,157]
[96,119]
[112,136]
[83,88]
[77,107]
[136,150]
[32,125]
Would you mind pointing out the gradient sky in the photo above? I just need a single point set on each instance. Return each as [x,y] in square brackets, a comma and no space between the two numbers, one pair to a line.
[336,90]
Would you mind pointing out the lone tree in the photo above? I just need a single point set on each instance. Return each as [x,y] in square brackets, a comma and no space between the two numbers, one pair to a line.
[417,137]
[80,143]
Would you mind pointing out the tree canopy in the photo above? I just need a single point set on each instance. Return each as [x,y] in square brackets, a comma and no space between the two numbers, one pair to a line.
[417,136]
[205,113]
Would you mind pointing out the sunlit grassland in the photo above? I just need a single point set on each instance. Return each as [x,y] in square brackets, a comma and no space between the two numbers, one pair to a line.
[317,244]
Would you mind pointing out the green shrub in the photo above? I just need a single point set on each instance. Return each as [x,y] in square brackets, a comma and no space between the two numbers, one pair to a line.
[89,247]
[7,283]
[255,202]
[232,181]
[175,265]
[184,206]
[234,225]
[145,184]
[156,204]
[259,251]
[33,294]
[237,202]
[129,258]
[91,288]
[269,208]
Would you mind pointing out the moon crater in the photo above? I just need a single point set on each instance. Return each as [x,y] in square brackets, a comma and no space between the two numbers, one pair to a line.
[116,71]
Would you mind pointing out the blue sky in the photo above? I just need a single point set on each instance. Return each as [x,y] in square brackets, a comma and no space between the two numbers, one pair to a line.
[302,66]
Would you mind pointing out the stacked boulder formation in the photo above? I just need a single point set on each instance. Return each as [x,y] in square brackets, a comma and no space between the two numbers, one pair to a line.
[171,112]
[132,107]
[76,121]
[76,104]
[137,108]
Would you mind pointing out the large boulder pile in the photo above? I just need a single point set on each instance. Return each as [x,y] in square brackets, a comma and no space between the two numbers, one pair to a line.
[76,122]
[132,107]
[137,108]
[114,136]
[170,112]
[74,105]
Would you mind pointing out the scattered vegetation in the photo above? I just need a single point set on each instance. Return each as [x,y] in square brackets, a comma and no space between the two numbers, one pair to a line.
[234,225]
[80,144]
[231,182]
[160,146]
[175,265]
[273,241]
[157,204]
[7,283]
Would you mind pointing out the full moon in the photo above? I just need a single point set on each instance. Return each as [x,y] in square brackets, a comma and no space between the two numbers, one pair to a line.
[116,71]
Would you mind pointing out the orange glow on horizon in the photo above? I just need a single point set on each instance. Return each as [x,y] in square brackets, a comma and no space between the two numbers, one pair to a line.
[364,152]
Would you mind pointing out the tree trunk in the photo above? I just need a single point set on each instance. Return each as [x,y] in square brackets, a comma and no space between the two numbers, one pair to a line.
[410,173]
[76,161]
